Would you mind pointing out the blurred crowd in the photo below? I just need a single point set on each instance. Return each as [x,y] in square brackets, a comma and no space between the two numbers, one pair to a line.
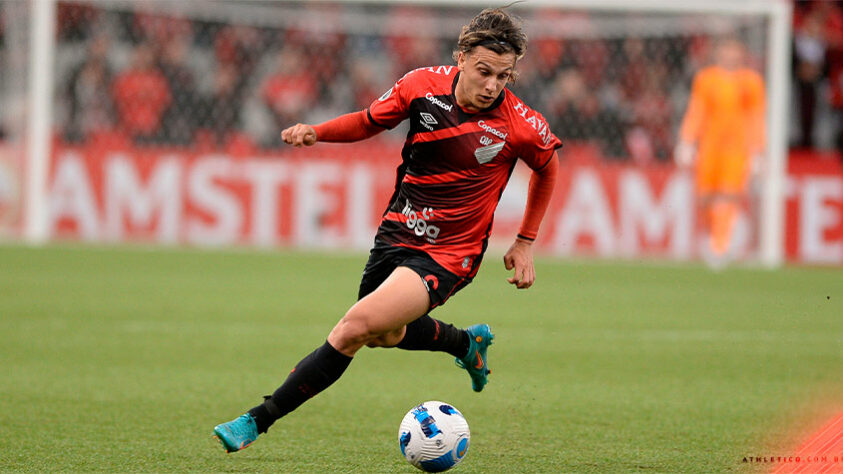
[818,69]
[165,80]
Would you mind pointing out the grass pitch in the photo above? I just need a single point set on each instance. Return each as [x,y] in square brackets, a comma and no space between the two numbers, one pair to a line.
[124,359]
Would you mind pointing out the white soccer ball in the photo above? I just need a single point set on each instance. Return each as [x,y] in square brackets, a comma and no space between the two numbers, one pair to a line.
[434,436]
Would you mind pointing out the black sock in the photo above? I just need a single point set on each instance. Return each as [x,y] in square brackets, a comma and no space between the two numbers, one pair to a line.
[428,334]
[314,373]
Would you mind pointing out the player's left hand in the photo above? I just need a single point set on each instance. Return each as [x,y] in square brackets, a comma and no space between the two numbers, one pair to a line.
[684,154]
[756,165]
[300,134]
[520,257]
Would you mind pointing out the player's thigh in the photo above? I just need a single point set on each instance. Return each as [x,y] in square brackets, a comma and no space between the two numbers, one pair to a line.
[733,175]
[707,169]
[399,300]
[381,264]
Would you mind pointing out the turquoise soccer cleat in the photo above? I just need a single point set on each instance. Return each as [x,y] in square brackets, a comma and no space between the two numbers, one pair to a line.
[237,433]
[475,362]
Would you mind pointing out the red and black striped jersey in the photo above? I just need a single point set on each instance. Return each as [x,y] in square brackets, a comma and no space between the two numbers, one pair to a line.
[455,165]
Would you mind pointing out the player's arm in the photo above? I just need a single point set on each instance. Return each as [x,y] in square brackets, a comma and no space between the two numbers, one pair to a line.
[691,126]
[755,117]
[520,255]
[346,128]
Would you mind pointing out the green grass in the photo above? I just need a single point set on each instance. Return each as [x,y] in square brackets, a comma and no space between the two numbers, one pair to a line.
[124,359]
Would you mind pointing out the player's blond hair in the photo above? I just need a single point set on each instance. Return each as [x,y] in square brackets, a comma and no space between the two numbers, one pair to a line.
[495,29]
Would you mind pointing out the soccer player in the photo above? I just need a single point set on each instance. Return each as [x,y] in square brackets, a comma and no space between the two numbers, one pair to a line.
[723,130]
[466,133]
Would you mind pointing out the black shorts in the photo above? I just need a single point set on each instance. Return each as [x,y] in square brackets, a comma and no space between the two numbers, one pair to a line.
[383,259]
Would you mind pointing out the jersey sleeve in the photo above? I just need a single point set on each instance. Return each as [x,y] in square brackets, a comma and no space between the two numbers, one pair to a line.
[539,142]
[393,106]
[757,109]
[689,130]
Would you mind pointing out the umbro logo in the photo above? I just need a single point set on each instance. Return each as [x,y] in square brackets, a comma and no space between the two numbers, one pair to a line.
[428,120]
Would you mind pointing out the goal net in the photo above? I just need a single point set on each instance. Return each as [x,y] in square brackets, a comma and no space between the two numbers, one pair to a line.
[161,120]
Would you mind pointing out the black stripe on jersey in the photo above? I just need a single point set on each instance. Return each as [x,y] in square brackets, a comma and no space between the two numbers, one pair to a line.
[447,154]
[444,196]
[552,156]
[375,122]
[443,118]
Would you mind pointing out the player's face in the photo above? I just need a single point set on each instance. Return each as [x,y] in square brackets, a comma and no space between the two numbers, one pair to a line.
[484,74]
[730,55]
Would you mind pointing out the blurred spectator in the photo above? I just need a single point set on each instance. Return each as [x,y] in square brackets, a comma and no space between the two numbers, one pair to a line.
[75,21]
[319,34]
[650,114]
[141,95]
[832,15]
[632,67]
[237,50]
[366,83]
[576,113]
[409,41]
[219,112]
[809,50]
[240,47]
[89,109]
[290,91]
[835,60]
[179,121]
[157,29]
[3,132]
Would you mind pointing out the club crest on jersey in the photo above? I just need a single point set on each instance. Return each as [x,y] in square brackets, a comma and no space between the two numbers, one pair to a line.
[485,154]
[428,121]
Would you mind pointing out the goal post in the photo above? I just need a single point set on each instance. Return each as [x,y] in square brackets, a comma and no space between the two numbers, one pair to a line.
[39,120]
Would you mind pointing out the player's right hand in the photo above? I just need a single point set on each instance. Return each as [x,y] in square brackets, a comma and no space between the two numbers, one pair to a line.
[299,135]
[684,154]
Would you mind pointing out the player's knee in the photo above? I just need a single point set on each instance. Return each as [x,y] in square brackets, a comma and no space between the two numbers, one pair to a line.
[388,339]
[355,329]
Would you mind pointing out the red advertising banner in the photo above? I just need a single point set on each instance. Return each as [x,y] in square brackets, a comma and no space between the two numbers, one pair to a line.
[332,196]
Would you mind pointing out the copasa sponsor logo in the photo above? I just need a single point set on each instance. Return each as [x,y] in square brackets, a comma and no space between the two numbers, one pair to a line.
[442,105]
[417,222]
[482,124]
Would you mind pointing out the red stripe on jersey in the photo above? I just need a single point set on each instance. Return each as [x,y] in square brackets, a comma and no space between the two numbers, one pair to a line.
[435,215]
[444,133]
[441,178]
[395,217]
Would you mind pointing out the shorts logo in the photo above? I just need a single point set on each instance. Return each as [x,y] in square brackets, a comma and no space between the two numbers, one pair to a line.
[431,282]
[427,120]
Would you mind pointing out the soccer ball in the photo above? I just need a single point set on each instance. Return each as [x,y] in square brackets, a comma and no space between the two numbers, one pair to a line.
[434,436]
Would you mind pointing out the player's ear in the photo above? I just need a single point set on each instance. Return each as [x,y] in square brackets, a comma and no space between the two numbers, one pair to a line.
[461,58]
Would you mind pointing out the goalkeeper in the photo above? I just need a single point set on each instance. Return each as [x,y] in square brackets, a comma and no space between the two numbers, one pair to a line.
[722,135]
